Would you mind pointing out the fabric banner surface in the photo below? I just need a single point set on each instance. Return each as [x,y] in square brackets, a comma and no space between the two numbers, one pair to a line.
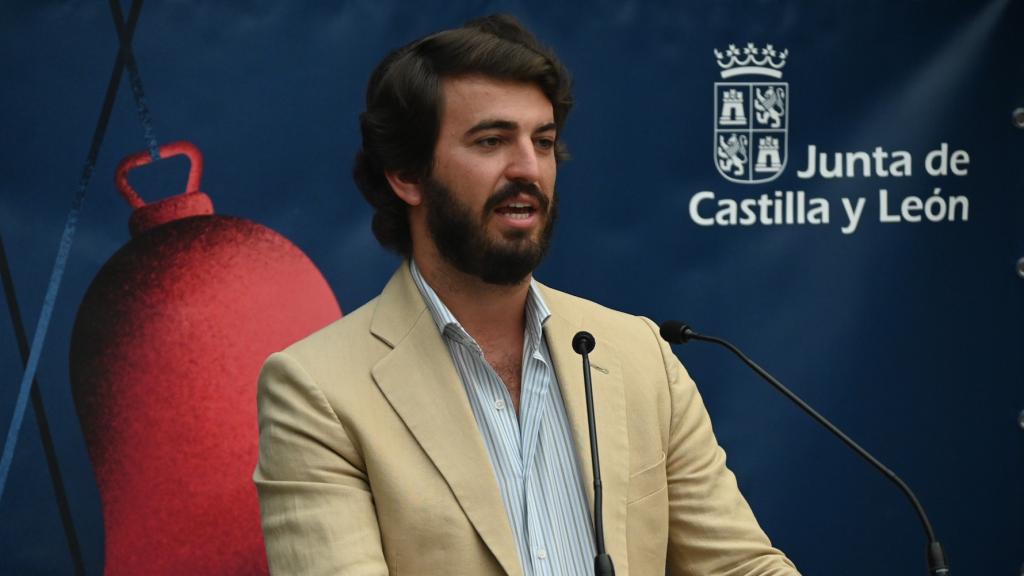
[836,188]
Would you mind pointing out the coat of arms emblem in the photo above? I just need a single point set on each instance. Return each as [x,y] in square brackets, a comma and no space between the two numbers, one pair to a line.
[751,118]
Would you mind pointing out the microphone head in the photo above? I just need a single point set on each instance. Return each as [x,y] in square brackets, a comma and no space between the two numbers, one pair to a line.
[675,332]
[583,342]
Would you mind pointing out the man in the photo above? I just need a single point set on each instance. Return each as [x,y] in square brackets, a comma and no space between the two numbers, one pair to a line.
[442,428]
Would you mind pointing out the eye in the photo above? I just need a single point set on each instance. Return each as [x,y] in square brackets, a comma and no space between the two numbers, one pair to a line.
[489,142]
[545,143]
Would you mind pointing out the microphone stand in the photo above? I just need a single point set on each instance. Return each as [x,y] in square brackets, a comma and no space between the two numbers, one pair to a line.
[679,333]
[583,343]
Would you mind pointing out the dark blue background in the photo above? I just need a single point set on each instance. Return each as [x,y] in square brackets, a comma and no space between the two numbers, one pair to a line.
[909,336]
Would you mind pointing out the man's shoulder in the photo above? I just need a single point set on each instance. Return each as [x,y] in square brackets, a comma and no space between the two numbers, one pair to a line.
[594,316]
[348,337]
[559,299]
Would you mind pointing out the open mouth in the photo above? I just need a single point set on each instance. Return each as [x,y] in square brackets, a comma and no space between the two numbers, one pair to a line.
[516,210]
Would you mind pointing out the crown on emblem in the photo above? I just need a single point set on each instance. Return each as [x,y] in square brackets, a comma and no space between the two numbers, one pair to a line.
[765,61]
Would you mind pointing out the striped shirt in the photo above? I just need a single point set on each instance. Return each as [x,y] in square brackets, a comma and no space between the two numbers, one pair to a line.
[533,456]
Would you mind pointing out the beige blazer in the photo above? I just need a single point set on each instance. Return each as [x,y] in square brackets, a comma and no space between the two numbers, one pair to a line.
[371,462]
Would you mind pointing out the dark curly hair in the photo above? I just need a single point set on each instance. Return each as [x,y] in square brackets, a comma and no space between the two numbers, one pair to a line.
[404,103]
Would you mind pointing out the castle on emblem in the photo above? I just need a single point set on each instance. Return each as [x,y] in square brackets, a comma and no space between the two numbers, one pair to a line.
[751,114]
[768,159]
[733,112]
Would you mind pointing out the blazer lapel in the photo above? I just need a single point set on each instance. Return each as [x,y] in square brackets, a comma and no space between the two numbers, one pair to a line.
[609,413]
[422,385]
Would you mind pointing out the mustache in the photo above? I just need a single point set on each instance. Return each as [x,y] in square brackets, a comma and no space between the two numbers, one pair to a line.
[513,189]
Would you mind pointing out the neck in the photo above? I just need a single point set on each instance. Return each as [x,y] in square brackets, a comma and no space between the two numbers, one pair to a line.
[488,312]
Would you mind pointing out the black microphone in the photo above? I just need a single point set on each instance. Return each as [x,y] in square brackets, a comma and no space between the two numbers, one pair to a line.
[675,332]
[583,343]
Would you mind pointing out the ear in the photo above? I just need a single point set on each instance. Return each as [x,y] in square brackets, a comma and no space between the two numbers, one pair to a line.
[406,189]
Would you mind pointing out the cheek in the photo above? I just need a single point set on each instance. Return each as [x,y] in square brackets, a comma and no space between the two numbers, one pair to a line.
[549,175]
[471,171]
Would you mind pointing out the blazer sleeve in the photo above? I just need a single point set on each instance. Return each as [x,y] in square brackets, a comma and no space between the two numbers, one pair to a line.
[712,530]
[317,510]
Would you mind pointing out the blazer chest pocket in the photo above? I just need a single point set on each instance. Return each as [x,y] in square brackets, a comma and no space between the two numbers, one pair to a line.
[647,481]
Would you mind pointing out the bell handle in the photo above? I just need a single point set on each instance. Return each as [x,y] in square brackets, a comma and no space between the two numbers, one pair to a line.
[179,148]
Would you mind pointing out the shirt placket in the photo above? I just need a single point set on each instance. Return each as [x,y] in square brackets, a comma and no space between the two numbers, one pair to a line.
[494,400]
[534,405]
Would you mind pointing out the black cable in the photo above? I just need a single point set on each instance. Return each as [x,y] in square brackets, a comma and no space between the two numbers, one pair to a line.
[134,78]
[40,411]
[126,32]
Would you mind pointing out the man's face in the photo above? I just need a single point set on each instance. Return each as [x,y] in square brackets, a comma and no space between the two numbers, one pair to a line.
[489,200]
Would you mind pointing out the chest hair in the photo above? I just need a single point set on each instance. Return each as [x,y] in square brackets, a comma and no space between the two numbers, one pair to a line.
[509,368]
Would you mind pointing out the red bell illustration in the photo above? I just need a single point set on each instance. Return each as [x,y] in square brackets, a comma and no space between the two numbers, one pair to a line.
[165,353]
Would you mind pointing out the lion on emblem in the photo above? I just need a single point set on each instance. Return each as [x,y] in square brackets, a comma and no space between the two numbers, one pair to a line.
[770,105]
[732,153]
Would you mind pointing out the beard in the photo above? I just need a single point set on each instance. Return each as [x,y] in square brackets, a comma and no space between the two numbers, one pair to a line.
[461,238]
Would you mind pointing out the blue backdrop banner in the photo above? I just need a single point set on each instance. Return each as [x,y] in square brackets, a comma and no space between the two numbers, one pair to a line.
[836,187]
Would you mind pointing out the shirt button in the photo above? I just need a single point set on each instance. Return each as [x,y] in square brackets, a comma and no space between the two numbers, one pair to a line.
[499,404]
[542,553]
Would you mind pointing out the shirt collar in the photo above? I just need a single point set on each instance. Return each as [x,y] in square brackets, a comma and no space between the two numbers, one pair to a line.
[537,312]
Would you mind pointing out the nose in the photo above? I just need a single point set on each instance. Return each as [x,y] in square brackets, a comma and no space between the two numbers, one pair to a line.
[523,162]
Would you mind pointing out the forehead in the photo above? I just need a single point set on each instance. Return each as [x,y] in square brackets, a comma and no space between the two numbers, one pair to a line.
[469,100]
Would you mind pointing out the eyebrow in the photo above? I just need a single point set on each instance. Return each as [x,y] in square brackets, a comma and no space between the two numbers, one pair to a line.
[546,127]
[485,125]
